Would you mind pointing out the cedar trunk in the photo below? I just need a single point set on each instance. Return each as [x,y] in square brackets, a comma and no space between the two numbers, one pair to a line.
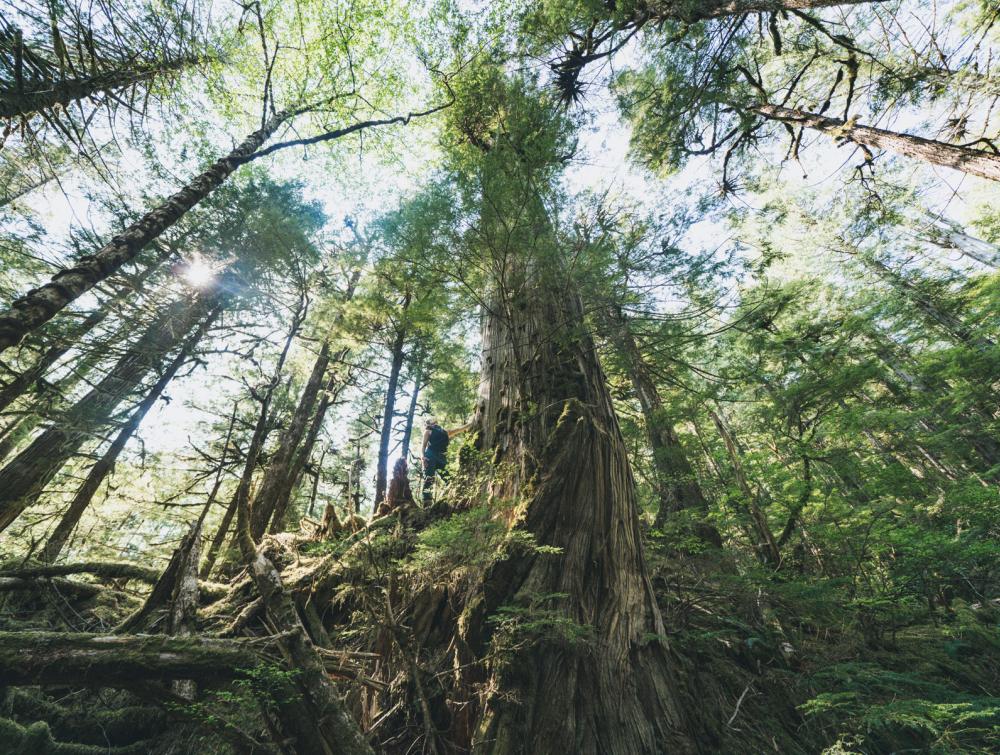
[546,414]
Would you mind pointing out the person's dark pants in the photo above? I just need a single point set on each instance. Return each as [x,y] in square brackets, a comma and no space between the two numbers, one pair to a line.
[433,465]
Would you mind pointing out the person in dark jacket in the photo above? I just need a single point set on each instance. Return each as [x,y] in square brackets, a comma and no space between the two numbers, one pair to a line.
[435,452]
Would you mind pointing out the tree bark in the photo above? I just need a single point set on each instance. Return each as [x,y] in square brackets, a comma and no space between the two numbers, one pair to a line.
[318,722]
[61,345]
[704,10]
[547,417]
[396,366]
[41,304]
[330,394]
[99,472]
[26,475]
[965,159]
[677,483]
[47,95]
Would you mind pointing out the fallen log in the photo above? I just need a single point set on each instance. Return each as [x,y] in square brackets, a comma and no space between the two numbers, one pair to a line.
[103,570]
[42,658]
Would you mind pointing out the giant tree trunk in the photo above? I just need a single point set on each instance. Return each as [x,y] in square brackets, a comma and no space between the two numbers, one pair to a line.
[546,415]
[677,484]
[26,475]
[106,464]
[973,161]
[396,366]
[38,96]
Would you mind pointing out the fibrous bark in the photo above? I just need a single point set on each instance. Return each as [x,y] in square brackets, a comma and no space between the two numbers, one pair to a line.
[564,456]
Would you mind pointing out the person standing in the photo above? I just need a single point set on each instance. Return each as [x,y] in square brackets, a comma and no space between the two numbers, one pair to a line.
[435,452]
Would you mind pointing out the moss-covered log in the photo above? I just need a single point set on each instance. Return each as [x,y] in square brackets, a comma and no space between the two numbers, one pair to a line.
[43,658]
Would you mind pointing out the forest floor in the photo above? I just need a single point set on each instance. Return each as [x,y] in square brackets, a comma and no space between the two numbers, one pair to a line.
[767,665]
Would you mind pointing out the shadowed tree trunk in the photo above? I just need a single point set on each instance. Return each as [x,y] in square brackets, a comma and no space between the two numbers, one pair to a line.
[106,464]
[26,475]
[962,158]
[677,484]
[12,390]
[36,96]
[547,417]
[382,468]
[260,432]
[278,478]
[411,413]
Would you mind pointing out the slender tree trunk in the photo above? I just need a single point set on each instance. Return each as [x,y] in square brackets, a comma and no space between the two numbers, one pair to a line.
[965,159]
[330,395]
[41,304]
[271,501]
[242,495]
[946,235]
[411,413]
[950,323]
[61,345]
[677,483]
[99,472]
[382,468]
[546,416]
[318,721]
[767,545]
[278,478]
[25,476]
[12,194]
[706,9]
[46,95]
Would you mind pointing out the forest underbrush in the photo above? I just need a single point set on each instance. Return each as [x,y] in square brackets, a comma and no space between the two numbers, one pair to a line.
[783,663]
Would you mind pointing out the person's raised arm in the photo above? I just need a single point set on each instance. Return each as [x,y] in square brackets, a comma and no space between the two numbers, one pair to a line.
[426,440]
[459,430]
